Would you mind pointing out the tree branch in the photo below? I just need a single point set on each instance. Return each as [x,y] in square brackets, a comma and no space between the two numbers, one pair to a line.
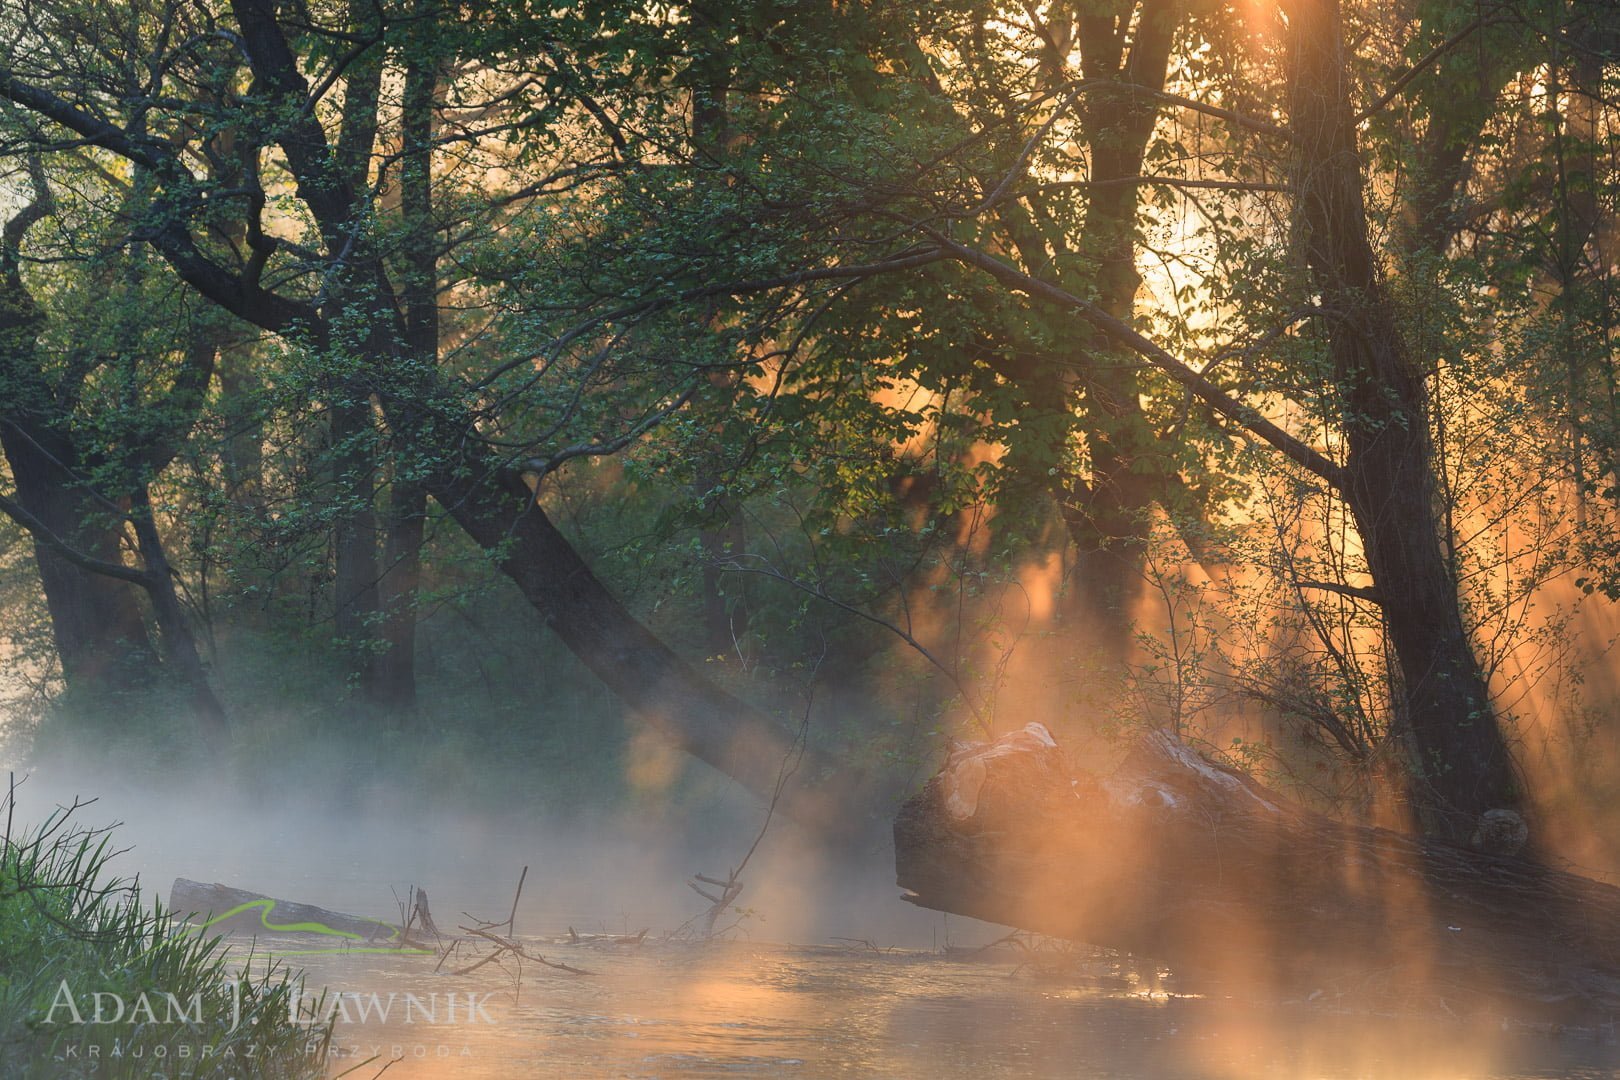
[1425,64]
[43,533]
[38,208]
[1243,414]
[542,467]
[1372,596]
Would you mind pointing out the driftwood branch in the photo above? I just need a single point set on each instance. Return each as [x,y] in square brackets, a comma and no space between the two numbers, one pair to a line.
[508,945]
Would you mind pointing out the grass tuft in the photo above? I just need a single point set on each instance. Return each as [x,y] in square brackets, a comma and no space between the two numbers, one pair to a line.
[93,984]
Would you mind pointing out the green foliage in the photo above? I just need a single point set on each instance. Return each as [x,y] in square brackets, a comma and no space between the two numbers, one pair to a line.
[684,288]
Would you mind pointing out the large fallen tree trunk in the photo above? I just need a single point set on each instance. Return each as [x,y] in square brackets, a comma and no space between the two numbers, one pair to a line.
[224,909]
[1197,866]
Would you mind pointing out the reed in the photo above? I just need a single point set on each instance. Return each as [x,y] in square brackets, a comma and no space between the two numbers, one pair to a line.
[94,983]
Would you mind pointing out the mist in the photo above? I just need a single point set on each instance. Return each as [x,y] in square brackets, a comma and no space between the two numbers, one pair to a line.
[1063,538]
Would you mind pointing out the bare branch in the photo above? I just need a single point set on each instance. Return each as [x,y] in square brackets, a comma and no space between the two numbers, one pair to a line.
[542,467]
[1372,596]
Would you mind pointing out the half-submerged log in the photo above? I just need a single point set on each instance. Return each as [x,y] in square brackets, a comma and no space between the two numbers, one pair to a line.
[223,909]
[1197,866]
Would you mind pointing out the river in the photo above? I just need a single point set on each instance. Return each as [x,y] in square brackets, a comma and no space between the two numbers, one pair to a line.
[740,1008]
[826,972]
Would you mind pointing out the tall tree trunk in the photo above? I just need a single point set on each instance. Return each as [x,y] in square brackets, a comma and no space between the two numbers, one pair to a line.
[1462,764]
[394,684]
[354,539]
[242,452]
[358,615]
[1110,525]
[1577,217]
[405,520]
[1107,511]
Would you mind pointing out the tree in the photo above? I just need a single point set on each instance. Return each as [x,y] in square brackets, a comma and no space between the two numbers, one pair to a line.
[78,490]
[788,236]
[1388,475]
[1363,387]
[343,305]
[99,631]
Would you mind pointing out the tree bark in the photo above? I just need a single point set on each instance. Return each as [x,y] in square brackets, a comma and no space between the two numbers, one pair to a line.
[1175,858]
[355,603]
[405,525]
[1461,762]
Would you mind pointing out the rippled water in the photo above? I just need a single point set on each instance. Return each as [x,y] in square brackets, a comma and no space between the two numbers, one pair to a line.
[741,1009]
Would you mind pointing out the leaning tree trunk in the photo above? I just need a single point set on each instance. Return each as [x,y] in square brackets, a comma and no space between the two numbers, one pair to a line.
[1463,767]
[657,685]
[357,611]
[1175,858]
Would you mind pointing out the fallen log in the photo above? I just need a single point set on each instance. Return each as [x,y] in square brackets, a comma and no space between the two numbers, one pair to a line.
[223,909]
[1179,859]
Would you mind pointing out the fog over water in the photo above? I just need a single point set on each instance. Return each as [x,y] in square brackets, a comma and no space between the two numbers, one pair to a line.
[829,973]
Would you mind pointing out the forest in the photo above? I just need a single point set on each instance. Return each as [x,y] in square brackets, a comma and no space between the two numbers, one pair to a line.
[592,405]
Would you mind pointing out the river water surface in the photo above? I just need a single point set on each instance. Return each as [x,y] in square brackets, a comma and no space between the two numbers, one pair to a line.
[786,994]
[730,1009]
